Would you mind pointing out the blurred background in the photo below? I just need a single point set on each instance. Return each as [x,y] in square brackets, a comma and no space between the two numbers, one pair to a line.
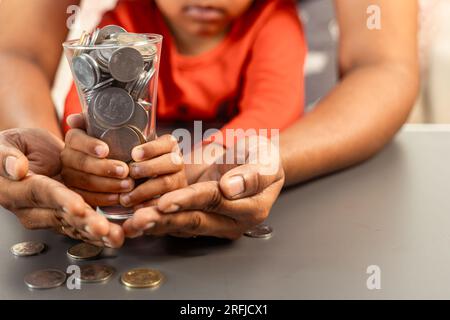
[433,105]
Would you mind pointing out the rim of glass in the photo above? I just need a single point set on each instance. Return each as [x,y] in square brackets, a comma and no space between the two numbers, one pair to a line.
[152,38]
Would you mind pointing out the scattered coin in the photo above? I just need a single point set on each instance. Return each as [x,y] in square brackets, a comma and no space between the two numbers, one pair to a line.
[29,248]
[121,142]
[45,279]
[260,231]
[84,251]
[95,272]
[142,278]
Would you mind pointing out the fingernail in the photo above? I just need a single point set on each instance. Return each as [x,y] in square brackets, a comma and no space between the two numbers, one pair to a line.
[106,242]
[149,226]
[125,199]
[135,170]
[10,166]
[137,154]
[120,170]
[172,208]
[136,235]
[236,185]
[125,184]
[176,159]
[101,150]
[88,229]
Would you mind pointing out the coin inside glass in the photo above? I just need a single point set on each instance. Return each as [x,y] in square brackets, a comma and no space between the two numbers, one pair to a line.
[86,70]
[45,279]
[107,31]
[126,64]
[139,120]
[121,142]
[113,107]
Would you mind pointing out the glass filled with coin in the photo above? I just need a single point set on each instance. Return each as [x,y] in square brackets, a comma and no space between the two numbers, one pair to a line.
[116,75]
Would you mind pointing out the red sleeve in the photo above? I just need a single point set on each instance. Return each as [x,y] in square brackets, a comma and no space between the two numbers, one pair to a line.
[273,84]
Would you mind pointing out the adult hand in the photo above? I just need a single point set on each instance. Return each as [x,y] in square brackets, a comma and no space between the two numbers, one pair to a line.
[29,158]
[227,200]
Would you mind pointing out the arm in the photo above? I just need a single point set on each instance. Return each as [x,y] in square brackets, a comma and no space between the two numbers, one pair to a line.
[380,81]
[30,51]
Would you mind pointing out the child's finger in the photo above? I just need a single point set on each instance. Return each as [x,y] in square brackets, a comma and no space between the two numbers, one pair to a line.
[153,188]
[85,181]
[100,167]
[76,121]
[79,140]
[155,148]
[97,199]
[165,164]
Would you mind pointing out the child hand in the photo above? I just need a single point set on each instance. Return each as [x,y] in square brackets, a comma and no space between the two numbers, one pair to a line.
[87,171]
[160,162]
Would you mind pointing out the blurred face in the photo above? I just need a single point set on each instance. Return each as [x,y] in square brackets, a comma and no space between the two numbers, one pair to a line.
[202,17]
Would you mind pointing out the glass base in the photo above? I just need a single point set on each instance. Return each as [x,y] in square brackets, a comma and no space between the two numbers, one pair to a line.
[116,213]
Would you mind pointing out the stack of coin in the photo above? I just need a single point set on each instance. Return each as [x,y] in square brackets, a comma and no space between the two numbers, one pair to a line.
[114,69]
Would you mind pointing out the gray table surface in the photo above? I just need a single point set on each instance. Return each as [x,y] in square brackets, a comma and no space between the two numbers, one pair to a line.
[392,211]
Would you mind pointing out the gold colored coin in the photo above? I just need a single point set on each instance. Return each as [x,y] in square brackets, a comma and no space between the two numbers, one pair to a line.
[142,278]
[84,251]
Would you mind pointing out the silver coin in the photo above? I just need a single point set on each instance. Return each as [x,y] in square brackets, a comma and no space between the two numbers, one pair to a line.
[140,133]
[29,248]
[145,104]
[126,64]
[94,37]
[139,89]
[94,129]
[126,39]
[113,107]
[139,120]
[86,70]
[121,142]
[95,272]
[107,31]
[84,251]
[45,279]
[259,231]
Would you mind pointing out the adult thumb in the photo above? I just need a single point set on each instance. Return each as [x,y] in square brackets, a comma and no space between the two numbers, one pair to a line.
[14,164]
[246,181]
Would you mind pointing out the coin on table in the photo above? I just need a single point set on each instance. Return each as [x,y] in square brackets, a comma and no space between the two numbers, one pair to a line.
[29,248]
[45,279]
[259,231]
[86,70]
[84,251]
[126,64]
[121,142]
[95,272]
[139,120]
[142,278]
[113,107]
[107,31]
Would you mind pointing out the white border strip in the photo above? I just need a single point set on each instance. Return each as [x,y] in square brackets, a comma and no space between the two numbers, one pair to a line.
[418,127]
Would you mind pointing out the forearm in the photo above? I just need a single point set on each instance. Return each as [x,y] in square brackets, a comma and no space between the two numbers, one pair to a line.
[25,95]
[352,123]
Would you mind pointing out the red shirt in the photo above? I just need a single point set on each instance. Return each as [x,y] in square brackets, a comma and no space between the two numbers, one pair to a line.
[255,74]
